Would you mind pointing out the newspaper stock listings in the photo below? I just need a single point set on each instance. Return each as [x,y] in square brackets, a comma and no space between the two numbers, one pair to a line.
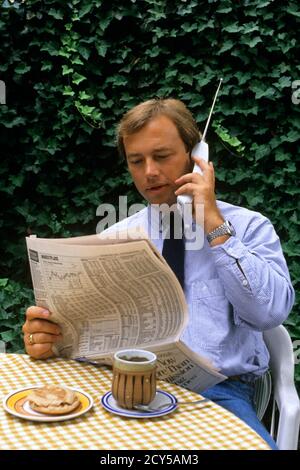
[111,294]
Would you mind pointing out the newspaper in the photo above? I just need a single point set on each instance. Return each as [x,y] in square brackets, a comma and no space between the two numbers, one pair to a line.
[111,294]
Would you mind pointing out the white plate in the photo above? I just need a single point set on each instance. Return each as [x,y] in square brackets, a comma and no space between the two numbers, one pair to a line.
[16,404]
[110,404]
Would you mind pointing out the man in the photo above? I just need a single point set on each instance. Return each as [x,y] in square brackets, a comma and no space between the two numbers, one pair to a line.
[236,286]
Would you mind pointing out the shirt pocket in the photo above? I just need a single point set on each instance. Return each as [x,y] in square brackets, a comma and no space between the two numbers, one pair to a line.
[211,314]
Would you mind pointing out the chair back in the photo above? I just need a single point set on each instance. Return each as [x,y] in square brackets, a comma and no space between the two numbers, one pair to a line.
[285,396]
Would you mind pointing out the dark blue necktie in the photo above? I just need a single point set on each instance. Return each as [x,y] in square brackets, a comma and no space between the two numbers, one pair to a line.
[173,249]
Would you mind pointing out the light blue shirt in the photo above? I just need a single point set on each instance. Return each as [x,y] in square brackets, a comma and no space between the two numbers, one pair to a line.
[234,291]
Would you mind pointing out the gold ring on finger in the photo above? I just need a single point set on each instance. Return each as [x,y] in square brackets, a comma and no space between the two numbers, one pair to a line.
[30,339]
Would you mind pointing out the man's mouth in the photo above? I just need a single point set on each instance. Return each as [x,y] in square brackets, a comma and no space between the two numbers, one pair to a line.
[156,187]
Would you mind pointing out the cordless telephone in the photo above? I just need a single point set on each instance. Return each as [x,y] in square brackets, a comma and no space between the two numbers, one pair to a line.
[201,151]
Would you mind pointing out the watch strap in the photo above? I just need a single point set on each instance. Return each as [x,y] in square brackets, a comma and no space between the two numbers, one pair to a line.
[223,229]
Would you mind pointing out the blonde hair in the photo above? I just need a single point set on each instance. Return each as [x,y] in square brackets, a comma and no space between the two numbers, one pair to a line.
[136,118]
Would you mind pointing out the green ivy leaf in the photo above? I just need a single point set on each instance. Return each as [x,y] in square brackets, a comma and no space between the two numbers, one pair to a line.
[84,51]
[78,78]
[102,49]
[17,180]
[47,66]
[67,91]
[57,14]
[226,47]
[233,28]
[251,42]
[22,68]
[67,70]
[7,336]
[284,82]
[293,9]
[84,96]
[224,9]
[76,61]
[85,9]
[263,3]
[3,282]
[292,136]
[84,109]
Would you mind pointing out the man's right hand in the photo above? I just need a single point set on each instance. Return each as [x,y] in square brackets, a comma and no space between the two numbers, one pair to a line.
[40,333]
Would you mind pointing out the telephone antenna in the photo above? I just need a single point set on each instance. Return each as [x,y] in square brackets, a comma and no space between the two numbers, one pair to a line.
[211,111]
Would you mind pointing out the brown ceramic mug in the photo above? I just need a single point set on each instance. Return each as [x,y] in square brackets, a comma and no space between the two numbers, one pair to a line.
[134,377]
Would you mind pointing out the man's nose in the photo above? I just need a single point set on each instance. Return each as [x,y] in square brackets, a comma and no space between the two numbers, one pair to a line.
[151,168]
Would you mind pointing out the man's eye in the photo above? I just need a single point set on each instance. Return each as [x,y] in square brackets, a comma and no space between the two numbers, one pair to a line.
[163,156]
[135,162]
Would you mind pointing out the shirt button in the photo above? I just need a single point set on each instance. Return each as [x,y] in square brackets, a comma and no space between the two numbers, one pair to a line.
[245,282]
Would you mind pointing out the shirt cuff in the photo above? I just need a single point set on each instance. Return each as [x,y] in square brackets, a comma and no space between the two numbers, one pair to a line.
[232,247]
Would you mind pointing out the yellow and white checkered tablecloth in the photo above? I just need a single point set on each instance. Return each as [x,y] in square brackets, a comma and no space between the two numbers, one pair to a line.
[189,427]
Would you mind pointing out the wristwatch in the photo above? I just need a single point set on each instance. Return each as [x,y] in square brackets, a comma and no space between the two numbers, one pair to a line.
[225,229]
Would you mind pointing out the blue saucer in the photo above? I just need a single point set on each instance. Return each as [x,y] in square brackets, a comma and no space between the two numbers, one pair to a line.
[110,404]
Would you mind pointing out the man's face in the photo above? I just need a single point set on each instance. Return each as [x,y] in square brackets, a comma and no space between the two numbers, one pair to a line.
[156,157]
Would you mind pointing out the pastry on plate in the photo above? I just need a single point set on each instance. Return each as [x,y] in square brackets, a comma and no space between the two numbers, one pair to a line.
[53,400]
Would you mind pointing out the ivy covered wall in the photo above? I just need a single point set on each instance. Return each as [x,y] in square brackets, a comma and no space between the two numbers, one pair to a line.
[71,69]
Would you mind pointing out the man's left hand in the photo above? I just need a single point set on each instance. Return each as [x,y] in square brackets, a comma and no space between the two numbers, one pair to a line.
[202,190]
